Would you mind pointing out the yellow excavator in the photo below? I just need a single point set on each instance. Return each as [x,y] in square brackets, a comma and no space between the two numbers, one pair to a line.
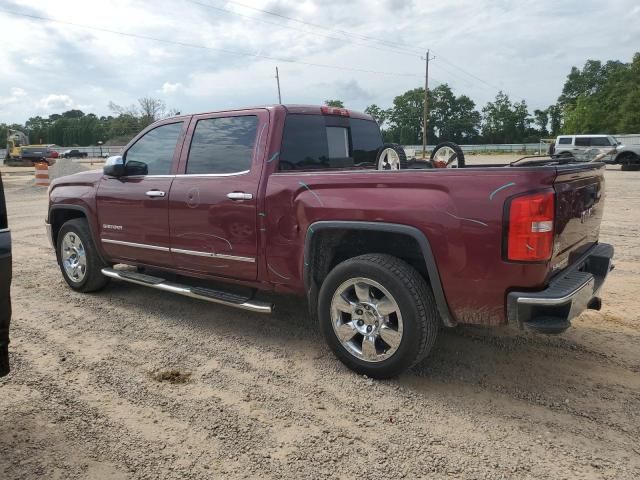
[20,153]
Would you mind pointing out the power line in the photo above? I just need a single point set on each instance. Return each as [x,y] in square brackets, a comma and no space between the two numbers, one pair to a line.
[302,30]
[402,46]
[324,27]
[204,47]
[468,73]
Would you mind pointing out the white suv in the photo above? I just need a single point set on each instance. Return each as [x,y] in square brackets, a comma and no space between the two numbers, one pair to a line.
[587,147]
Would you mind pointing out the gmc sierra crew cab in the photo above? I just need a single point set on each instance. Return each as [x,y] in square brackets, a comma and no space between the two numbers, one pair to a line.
[293,199]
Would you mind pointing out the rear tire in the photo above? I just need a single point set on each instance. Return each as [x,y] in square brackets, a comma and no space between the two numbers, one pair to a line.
[459,154]
[78,257]
[399,161]
[630,162]
[387,334]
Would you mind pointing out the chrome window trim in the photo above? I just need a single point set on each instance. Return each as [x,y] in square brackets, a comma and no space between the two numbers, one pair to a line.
[191,175]
[4,230]
[135,177]
[197,253]
[136,245]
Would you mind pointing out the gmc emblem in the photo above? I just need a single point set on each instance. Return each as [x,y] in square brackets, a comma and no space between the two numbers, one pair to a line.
[586,214]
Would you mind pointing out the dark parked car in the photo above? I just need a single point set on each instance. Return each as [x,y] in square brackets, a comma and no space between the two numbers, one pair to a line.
[74,154]
[5,285]
[31,155]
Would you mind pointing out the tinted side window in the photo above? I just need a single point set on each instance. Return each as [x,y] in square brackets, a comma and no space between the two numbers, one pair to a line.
[600,142]
[153,153]
[564,141]
[222,145]
[582,141]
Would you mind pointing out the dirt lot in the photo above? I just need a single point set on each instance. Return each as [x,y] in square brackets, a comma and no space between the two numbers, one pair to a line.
[134,383]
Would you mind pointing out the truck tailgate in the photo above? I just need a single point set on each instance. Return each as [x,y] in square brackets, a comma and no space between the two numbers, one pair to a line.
[579,208]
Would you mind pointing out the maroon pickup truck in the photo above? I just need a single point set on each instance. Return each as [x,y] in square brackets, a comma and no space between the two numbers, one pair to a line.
[291,199]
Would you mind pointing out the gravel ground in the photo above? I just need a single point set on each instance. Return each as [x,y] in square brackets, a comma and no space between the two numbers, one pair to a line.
[65,166]
[134,383]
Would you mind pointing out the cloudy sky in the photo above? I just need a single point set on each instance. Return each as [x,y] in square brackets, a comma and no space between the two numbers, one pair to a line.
[215,54]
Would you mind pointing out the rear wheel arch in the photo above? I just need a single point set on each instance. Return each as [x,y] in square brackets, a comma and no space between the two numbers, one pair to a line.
[328,243]
[627,157]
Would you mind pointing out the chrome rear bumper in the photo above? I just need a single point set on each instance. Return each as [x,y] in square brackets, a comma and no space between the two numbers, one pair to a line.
[567,296]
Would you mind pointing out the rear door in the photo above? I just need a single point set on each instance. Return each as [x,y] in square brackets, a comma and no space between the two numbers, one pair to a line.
[582,147]
[133,210]
[213,202]
[602,145]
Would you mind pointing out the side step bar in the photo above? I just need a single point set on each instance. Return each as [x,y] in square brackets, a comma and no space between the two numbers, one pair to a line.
[210,295]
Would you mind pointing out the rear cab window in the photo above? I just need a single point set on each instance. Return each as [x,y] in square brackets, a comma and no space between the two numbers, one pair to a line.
[326,142]
[564,141]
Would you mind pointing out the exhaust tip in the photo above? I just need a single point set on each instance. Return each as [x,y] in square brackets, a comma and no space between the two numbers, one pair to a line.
[595,303]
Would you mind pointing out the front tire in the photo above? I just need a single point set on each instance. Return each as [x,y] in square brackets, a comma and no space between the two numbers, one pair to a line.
[378,315]
[78,257]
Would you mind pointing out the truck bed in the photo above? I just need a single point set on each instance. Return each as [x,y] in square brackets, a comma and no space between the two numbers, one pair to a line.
[460,211]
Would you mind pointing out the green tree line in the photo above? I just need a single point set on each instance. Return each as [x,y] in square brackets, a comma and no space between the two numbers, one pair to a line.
[75,128]
[597,98]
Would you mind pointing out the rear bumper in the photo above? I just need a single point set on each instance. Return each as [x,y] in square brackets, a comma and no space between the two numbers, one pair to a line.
[567,296]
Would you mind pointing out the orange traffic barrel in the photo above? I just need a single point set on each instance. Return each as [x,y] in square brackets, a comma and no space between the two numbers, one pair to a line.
[42,174]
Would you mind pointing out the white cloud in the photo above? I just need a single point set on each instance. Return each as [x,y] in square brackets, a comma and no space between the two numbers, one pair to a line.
[54,102]
[510,45]
[15,95]
[169,88]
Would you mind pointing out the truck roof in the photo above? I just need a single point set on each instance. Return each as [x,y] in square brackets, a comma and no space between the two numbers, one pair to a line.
[586,135]
[290,108]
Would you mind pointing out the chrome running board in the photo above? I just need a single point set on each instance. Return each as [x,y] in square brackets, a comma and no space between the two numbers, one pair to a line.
[210,295]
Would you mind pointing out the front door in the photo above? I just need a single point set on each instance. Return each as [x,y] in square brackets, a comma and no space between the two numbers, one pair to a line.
[133,210]
[213,203]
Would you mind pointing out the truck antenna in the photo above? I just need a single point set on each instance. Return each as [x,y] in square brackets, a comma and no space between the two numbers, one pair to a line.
[278,82]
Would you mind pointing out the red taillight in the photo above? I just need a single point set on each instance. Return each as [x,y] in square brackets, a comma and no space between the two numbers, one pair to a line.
[343,112]
[530,235]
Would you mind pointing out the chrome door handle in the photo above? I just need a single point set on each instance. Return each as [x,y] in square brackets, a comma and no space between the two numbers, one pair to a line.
[154,193]
[239,196]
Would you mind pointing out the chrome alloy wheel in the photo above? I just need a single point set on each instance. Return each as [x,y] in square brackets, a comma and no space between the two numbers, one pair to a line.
[389,160]
[74,257]
[366,319]
[446,157]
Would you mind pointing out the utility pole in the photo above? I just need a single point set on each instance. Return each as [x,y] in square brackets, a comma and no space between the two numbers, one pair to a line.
[426,106]
[278,82]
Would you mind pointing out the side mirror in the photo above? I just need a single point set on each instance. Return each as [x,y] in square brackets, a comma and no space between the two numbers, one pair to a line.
[114,166]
